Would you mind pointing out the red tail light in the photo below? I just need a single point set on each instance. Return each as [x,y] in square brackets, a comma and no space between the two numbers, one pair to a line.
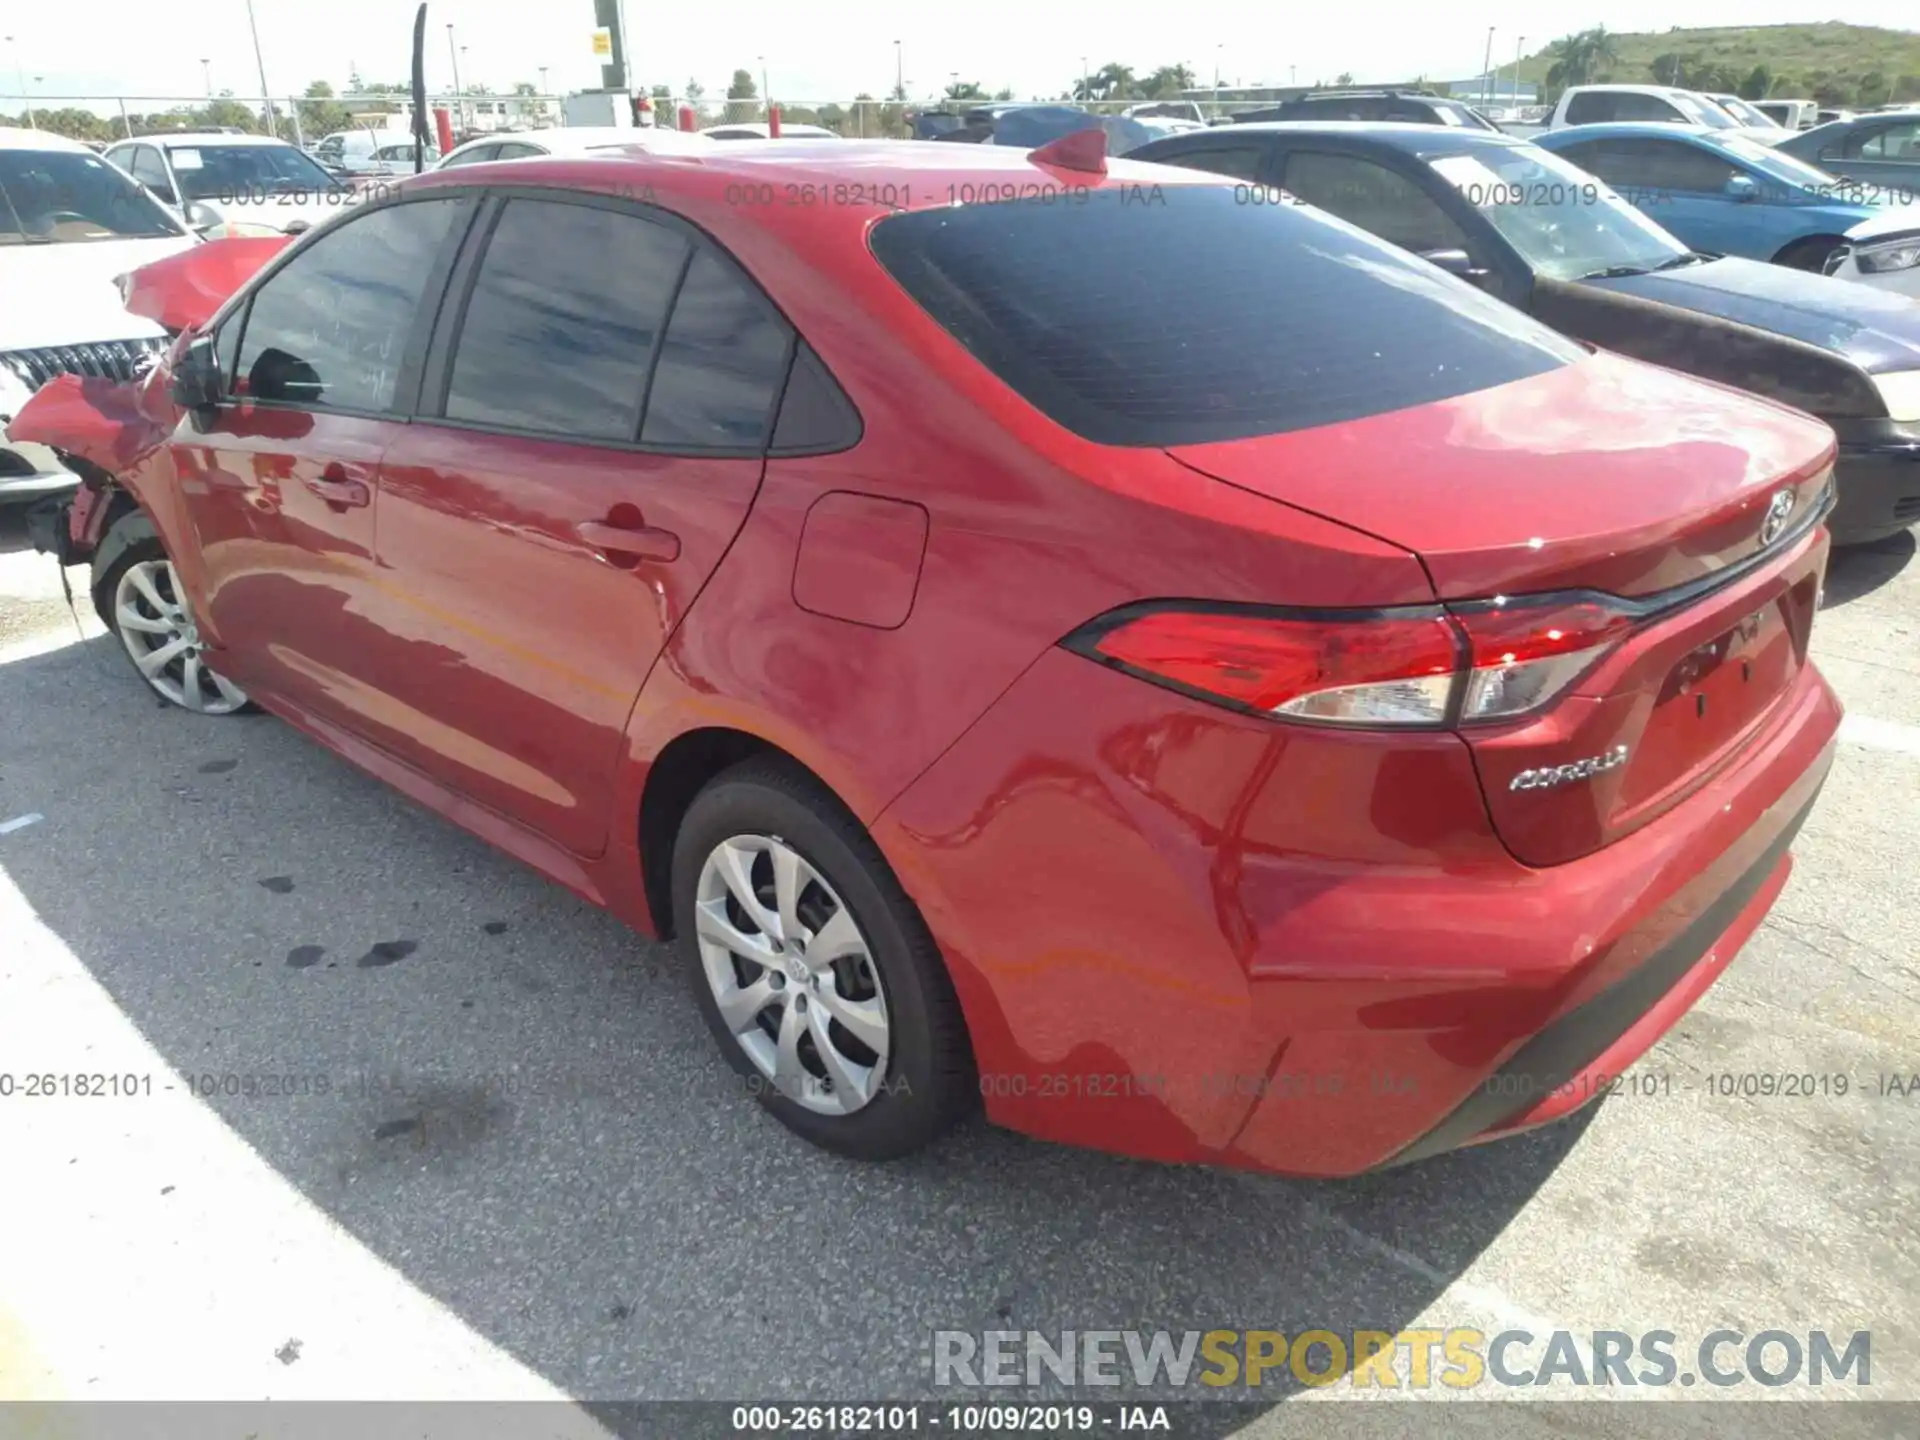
[1424,666]
[1522,653]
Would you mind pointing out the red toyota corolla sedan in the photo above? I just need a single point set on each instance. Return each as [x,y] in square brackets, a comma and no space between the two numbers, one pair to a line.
[1179,669]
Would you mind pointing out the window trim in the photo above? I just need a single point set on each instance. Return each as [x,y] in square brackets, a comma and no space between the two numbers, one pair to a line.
[436,376]
[239,309]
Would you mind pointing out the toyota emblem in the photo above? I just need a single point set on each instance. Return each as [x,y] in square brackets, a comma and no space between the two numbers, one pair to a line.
[1779,509]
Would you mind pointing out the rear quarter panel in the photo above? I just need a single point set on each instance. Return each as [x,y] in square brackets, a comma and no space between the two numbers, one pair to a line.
[1031,532]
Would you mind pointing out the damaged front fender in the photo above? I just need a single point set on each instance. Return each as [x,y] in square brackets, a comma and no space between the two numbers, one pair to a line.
[101,422]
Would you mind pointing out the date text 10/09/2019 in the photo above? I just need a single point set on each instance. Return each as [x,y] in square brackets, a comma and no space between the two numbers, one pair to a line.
[910,1419]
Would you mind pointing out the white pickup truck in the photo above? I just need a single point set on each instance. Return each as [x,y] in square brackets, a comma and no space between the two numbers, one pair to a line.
[1599,104]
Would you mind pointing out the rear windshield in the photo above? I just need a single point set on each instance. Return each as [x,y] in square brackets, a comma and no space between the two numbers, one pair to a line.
[1183,314]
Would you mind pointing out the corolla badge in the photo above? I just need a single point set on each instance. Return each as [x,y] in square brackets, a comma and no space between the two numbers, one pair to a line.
[1548,776]
[1779,510]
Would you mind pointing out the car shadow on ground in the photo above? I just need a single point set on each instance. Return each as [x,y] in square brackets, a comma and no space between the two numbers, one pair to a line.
[13,529]
[1859,570]
[525,1116]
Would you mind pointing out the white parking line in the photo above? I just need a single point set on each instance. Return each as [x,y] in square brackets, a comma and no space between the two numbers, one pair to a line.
[20,822]
[1889,735]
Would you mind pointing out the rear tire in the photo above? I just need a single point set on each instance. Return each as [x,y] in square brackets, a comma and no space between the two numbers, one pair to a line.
[1811,253]
[838,1011]
[139,597]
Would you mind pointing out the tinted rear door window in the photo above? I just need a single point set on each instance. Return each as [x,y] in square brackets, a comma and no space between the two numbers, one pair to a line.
[1241,162]
[722,365]
[1257,319]
[563,319]
[1590,109]
[1378,200]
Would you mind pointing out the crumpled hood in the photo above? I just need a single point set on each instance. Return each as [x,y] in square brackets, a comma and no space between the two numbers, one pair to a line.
[1875,329]
[64,294]
[183,291]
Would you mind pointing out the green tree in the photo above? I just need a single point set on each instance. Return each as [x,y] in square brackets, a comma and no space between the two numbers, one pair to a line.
[1907,87]
[1578,58]
[1668,68]
[1005,93]
[1874,89]
[834,117]
[1344,78]
[1166,82]
[1112,81]
[320,113]
[1758,84]
[742,98]
[1835,91]
[967,90]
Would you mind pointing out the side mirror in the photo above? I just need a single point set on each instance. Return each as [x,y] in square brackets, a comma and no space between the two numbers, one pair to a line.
[1742,189]
[196,376]
[202,217]
[1456,262]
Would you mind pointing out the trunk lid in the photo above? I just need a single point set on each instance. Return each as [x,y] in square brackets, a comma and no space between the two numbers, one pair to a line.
[1607,476]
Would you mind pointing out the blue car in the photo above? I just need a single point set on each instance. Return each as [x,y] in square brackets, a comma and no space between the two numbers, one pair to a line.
[1723,193]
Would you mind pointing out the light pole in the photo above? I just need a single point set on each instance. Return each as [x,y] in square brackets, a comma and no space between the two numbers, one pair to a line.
[1517,44]
[1086,81]
[459,104]
[206,74]
[899,74]
[1486,71]
[1293,75]
[20,70]
[273,121]
[766,94]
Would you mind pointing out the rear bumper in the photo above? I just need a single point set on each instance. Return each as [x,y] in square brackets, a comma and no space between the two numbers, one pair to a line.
[1580,1056]
[1191,935]
[1878,479]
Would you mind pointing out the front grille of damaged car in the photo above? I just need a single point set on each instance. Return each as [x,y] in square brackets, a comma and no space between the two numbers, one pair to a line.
[106,360]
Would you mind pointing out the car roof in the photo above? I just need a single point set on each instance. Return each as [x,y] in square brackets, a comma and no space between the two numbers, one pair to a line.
[1634,130]
[1637,89]
[203,137]
[883,176]
[1402,135]
[14,137]
[573,139]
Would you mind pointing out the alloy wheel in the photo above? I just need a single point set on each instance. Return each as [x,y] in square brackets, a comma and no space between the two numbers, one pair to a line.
[150,612]
[792,974]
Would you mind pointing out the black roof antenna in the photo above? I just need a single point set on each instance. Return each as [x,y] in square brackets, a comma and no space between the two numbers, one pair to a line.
[420,132]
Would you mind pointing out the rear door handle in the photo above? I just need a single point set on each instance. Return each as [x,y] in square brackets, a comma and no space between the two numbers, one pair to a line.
[644,542]
[339,490]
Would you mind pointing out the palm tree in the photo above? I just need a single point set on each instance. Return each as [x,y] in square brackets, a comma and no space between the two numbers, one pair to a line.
[1579,57]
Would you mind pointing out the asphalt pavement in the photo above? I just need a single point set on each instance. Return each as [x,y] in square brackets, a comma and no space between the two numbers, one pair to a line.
[530,1175]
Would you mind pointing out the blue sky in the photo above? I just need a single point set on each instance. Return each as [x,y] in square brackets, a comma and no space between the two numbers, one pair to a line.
[813,51]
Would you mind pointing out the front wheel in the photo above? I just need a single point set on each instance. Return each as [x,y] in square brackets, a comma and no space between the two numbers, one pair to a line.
[1812,254]
[814,970]
[141,599]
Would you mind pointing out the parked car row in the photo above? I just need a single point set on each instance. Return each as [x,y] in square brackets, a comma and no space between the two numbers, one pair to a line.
[1150,666]
[1658,278]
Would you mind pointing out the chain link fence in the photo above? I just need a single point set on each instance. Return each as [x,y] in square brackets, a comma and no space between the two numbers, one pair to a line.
[305,120]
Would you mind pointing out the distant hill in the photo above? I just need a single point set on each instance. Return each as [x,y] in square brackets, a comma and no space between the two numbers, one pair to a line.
[1836,64]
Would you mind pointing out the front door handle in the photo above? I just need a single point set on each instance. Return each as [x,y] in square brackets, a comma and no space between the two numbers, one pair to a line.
[340,491]
[640,542]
